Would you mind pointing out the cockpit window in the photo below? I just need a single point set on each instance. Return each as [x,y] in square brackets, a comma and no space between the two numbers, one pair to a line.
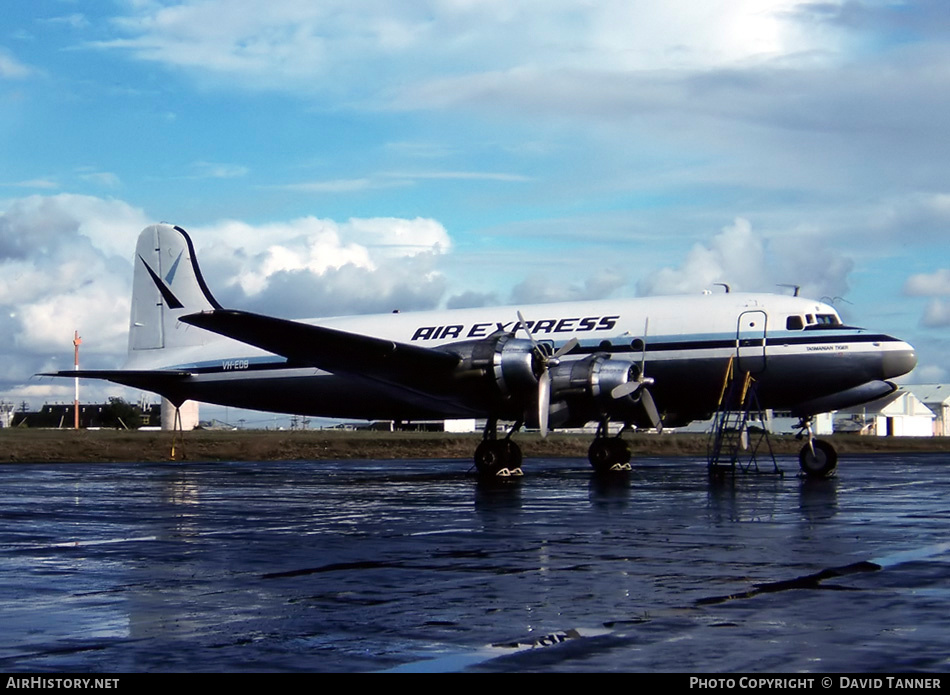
[823,322]
[794,323]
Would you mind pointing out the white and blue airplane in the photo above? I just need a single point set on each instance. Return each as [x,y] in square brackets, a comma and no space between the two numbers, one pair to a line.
[649,362]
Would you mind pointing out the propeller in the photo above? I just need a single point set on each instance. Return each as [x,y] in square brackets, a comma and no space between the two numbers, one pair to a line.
[544,381]
[640,384]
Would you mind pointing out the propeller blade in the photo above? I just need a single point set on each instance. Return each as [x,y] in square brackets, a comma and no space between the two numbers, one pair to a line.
[646,398]
[544,381]
[524,324]
[565,348]
[544,402]
[643,353]
[626,389]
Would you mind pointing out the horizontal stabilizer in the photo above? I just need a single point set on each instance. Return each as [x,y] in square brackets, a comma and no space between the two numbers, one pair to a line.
[330,349]
[168,383]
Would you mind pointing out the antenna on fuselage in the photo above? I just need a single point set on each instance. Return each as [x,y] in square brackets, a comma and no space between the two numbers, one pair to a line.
[723,285]
[796,288]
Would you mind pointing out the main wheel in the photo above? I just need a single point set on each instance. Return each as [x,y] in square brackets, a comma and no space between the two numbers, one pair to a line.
[605,453]
[820,464]
[493,456]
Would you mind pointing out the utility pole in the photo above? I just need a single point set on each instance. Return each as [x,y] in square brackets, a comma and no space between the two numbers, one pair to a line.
[77,341]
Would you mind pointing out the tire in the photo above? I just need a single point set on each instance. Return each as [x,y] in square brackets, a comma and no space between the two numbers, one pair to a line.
[604,453]
[621,451]
[494,455]
[822,463]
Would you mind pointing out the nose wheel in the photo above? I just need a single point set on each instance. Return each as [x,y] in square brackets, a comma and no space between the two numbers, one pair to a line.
[818,458]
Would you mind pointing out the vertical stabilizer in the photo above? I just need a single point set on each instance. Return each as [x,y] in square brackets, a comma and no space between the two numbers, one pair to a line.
[166,285]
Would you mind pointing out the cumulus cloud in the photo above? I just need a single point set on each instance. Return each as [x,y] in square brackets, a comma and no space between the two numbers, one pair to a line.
[470,298]
[539,290]
[729,256]
[65,264]
[937,314]
[312,267]
[928,284]
[936,286]
[349,289]
[37,224]
[743,259]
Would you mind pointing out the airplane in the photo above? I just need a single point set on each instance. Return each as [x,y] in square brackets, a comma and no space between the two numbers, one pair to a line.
[649,362]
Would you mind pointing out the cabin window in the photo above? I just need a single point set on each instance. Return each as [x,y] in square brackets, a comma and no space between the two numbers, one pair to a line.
[794,323]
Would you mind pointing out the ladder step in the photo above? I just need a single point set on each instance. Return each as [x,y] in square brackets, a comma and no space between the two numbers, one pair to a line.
[732,439]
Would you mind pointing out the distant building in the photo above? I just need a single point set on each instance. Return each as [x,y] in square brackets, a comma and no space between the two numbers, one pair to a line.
[783,422]
[776,422]
[937,398]
[464,425]
[6,414]
[117,414]
[899,414]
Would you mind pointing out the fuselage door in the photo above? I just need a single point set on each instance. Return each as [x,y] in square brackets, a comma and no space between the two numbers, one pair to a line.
[750,341]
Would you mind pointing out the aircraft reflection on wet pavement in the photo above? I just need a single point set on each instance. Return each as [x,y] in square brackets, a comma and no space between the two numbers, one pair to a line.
[376,565]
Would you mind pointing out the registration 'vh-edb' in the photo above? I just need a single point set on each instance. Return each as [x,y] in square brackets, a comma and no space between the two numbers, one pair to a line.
[648,363]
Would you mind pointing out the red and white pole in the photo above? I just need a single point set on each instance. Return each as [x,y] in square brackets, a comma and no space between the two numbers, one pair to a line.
[77,341]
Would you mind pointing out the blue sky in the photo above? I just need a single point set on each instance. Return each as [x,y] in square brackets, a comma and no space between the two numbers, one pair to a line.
[336,157]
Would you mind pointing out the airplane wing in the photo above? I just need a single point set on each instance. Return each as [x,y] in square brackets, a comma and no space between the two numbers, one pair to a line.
[330,349]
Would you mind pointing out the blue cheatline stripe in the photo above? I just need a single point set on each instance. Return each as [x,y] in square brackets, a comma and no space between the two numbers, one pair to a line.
[260,364]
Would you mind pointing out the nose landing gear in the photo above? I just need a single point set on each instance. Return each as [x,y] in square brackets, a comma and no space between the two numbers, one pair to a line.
[817,458]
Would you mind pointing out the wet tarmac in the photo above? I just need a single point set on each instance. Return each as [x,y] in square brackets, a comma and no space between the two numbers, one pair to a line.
[414,565]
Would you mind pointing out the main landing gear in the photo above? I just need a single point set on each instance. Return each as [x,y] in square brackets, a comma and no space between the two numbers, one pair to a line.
[817,458]
[608,454]
[501,457]
[498,458]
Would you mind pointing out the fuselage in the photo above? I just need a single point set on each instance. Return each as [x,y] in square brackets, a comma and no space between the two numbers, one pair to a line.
[797,349]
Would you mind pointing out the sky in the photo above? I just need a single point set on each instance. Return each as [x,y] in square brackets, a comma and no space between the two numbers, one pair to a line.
[357,156]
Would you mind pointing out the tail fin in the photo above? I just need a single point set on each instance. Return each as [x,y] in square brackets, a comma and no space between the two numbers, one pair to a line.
[167,284]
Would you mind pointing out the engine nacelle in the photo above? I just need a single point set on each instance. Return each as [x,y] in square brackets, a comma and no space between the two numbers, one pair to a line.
[581,390]
[503,372]
[508,365]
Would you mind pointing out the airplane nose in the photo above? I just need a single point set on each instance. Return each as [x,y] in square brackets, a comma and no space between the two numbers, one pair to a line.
[898,362]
